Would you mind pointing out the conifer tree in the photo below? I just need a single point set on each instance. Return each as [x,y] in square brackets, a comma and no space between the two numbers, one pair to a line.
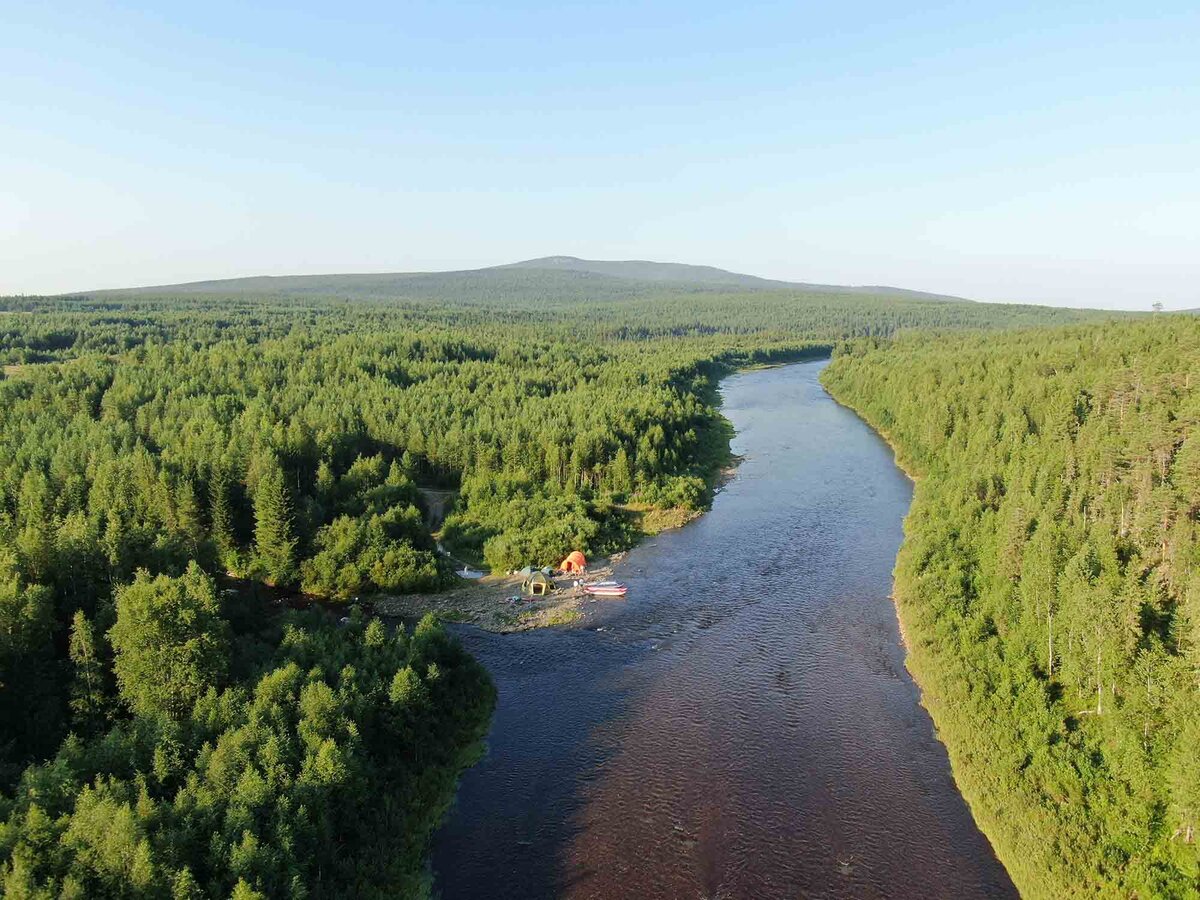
[169,641]
[620,474]
[221,515]
[187,518]
[1184,777]
[89,698]
[275,544]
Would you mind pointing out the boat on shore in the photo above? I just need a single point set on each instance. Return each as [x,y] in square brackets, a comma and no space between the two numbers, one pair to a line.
[605,589]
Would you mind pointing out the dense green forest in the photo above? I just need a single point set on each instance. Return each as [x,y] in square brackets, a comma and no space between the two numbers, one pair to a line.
[1049,586]
[167,730]
[584,305]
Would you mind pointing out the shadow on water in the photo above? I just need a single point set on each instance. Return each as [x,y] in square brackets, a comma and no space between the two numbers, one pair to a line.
[516,811]
[743,725]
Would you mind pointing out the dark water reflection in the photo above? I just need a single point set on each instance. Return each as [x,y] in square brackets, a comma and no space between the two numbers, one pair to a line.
[743,725]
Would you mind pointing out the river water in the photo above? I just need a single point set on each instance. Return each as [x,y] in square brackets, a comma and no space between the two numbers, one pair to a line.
[742,726]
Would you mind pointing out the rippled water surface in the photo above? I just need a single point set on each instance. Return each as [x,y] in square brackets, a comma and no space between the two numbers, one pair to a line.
[742,725]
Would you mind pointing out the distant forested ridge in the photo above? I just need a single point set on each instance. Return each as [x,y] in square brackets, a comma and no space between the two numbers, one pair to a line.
[533,280]
[646,271]
[1049,585]
[170,463]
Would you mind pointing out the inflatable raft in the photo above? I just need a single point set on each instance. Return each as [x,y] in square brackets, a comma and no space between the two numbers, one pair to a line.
[605,589]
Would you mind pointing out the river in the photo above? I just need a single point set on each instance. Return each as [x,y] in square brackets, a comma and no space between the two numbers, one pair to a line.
[743,725]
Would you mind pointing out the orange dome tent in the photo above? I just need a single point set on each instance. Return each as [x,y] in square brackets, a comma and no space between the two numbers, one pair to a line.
[575,562]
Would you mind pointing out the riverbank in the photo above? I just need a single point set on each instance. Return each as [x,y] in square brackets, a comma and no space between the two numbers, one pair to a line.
[905,466]
[903,463]
[1041,655]
[496,603]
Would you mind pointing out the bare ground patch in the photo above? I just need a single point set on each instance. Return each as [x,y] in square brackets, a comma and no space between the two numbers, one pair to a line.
[487,602]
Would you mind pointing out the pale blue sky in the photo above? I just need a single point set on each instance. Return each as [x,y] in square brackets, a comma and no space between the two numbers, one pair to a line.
[1040,152]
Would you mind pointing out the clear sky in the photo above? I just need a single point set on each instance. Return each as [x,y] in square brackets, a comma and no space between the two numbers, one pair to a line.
[1042,152]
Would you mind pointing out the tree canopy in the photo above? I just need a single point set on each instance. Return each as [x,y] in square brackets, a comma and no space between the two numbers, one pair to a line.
[1049,584]
[165,460]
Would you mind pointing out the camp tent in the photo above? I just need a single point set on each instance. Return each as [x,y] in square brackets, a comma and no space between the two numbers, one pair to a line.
[538,584]
[575,563]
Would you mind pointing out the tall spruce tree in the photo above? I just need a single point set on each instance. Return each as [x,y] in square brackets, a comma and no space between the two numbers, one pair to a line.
[221,517]
[187,518]
[275,543]
[89,697]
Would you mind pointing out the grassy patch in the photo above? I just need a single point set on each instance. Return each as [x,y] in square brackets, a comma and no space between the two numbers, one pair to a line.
[650,520]
[562,615]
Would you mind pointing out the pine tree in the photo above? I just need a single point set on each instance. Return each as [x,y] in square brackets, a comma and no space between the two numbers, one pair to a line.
[620,474]
[184,886]
[221,515]
[1184,779]
[187,518]
[326,486]
[275,544]
[113,543]
[89,700]
[35,541]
